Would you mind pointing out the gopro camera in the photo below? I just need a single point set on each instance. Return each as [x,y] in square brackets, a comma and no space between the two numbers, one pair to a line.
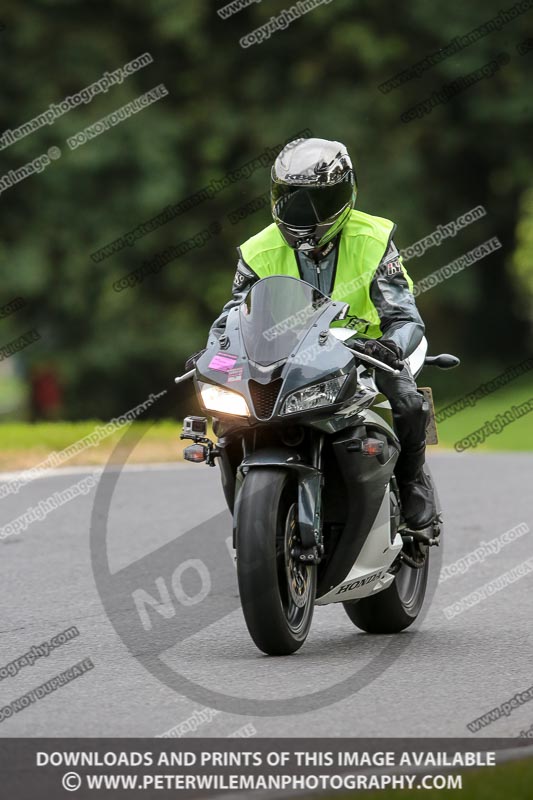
[195,426]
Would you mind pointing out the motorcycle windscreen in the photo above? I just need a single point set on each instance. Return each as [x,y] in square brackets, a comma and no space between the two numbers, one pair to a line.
[275,316]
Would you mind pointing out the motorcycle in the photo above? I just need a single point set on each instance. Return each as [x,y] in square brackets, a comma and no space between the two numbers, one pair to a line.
[307,449]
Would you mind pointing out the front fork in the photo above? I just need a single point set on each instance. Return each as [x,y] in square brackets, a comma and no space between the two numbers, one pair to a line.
[310,548]
[310,522]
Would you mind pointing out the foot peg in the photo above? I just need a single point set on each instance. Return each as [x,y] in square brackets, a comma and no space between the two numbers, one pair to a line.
[429,536]
[425,536]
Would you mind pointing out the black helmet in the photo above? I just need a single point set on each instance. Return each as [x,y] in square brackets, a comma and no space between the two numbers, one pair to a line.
[313,191]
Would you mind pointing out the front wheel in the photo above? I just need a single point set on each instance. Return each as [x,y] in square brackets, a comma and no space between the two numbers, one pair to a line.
[277,593]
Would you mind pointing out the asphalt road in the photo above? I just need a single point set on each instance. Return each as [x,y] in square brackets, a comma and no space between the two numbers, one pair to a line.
[429,681]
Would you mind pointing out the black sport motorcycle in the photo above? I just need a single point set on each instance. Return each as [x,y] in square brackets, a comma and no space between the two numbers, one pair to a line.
[307,449]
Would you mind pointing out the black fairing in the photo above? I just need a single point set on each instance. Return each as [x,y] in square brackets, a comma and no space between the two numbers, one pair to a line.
[300,356]
[312,444]
[364,481]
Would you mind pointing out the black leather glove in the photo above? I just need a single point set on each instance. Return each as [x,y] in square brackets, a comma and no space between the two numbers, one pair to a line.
[191,361]
[382,349]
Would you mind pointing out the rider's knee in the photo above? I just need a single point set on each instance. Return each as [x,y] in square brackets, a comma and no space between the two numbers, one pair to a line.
[411,406]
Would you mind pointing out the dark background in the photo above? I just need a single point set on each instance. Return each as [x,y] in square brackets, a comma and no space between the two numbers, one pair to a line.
[226,104]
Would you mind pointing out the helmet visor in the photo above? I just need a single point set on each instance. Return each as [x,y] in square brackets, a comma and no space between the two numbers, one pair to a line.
[304,206]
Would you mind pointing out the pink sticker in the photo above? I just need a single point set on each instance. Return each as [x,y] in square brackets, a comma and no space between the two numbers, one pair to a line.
[222,362]
[235,374]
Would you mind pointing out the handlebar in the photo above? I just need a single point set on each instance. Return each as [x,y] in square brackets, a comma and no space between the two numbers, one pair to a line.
[374,361]
[443,361]
[185,377]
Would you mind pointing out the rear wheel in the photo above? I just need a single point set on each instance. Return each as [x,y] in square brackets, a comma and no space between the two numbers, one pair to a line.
[277,592]
[397,607]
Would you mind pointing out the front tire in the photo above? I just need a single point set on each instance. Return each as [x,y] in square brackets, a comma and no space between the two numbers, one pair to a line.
[277,593]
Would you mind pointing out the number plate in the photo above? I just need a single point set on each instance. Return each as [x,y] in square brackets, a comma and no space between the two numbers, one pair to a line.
[432,436]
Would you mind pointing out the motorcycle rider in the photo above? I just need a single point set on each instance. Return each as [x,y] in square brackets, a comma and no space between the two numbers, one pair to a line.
[318,236]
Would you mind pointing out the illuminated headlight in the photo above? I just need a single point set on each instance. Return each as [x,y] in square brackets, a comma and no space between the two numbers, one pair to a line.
[224,401]
[320,394]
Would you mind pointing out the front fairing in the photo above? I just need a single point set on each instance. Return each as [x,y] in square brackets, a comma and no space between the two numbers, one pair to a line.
[250,362]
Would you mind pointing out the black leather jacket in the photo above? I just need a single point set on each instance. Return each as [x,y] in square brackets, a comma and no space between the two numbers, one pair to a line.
[400,321]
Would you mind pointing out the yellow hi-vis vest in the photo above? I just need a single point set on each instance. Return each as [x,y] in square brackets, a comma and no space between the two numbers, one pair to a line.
[363,243]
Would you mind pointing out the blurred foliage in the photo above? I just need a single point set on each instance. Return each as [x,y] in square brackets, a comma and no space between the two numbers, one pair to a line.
[487,783]
[225,105]
[521,262]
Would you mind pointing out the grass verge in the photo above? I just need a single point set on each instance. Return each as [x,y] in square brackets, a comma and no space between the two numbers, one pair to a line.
[518,435]
[23,445]
[513,781]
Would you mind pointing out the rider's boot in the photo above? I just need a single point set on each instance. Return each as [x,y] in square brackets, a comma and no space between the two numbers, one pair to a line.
[416,490]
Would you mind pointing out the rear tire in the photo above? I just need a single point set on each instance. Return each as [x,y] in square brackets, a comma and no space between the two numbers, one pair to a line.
[394,609]
[397,607]
[277,593]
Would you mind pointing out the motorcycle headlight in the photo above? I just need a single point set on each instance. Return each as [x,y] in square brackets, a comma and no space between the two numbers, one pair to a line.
[320,394]
[224,401]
